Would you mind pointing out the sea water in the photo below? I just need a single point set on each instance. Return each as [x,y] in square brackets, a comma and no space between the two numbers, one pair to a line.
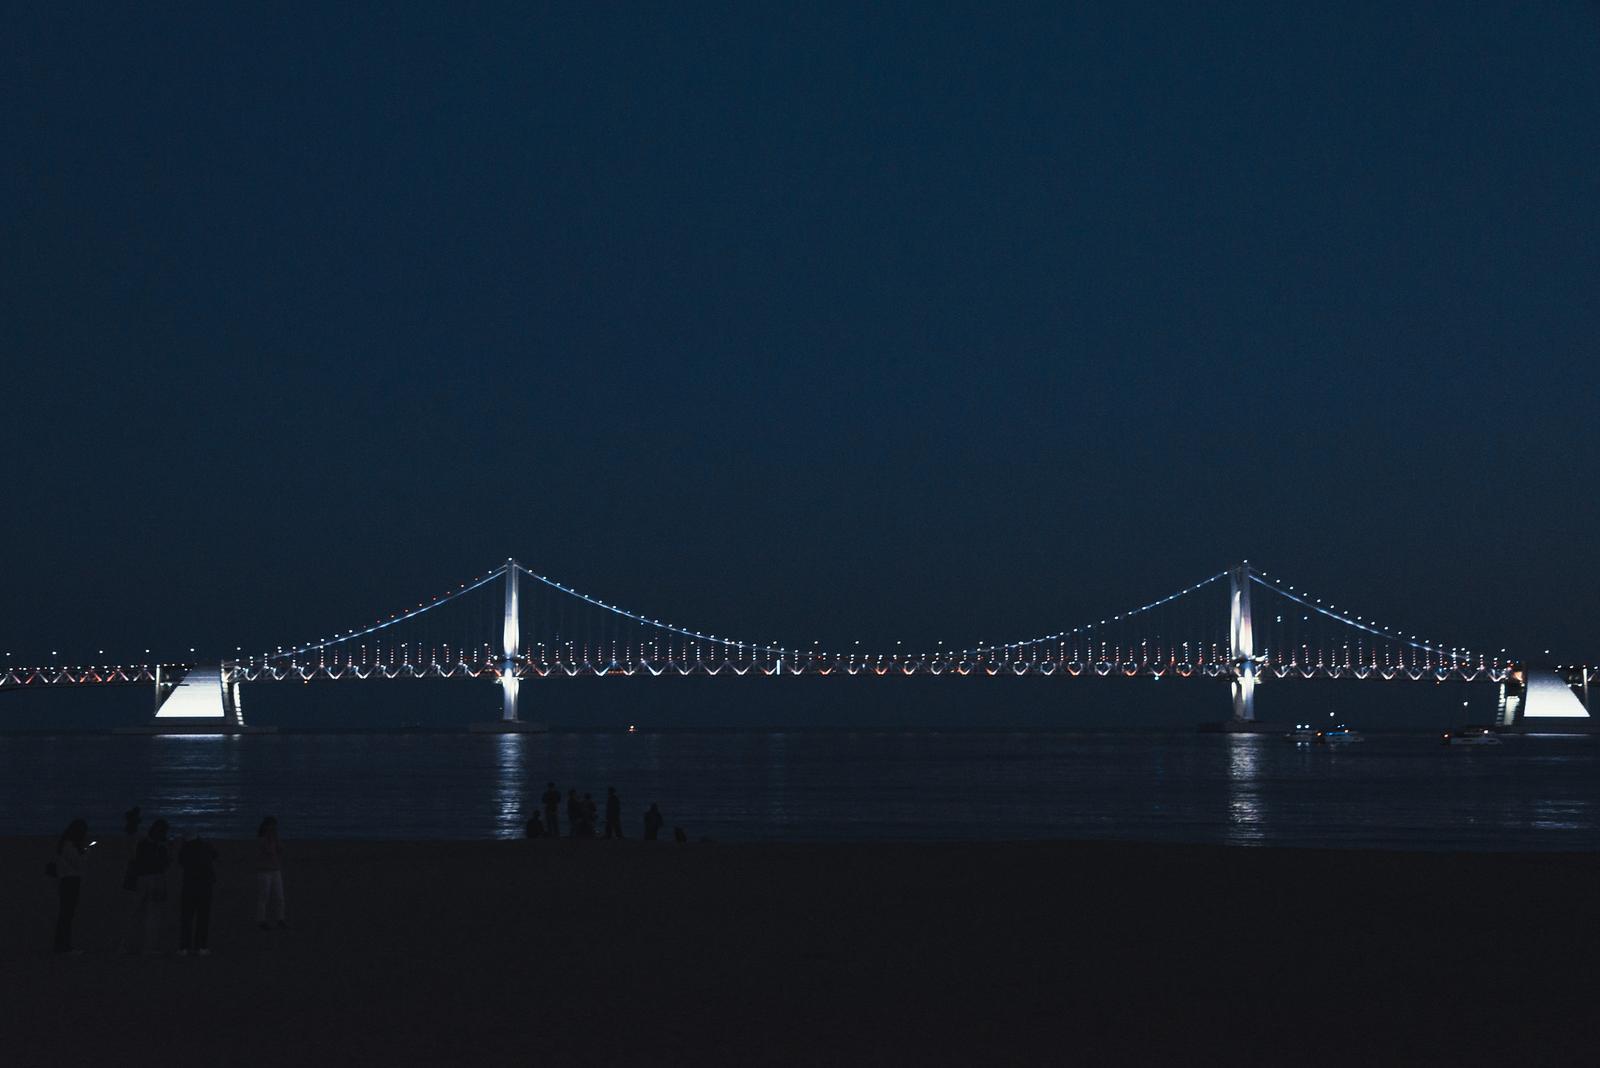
[1388,791]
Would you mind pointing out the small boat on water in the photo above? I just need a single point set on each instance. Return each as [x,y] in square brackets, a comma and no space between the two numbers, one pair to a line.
[1306,734]
[1471,736]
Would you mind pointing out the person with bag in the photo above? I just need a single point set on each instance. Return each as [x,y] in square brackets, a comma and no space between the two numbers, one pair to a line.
[574,814]
[150,865]
[613,813]
[269,872]
[197,859]
[130,846]
[72,851]
[589,814]
[129,940]
[552,810]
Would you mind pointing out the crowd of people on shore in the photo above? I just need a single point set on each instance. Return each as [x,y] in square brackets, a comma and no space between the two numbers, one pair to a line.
[582,813]
[146,861]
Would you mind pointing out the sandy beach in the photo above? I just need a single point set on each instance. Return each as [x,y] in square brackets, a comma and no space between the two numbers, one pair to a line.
[632,953]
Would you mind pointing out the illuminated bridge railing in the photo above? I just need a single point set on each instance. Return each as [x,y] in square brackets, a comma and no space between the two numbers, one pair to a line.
[624,666]
[107,675]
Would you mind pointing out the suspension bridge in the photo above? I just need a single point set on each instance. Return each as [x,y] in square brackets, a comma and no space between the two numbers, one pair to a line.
[513,626]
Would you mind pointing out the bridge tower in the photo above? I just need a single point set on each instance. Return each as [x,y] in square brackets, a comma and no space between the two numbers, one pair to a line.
[511,641]
[1242,644]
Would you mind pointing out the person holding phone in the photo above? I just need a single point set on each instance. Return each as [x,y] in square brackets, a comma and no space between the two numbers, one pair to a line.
[72,853]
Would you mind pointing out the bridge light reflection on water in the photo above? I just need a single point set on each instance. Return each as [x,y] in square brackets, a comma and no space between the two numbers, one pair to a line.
[512,804]
[1389,792]
[1246,813]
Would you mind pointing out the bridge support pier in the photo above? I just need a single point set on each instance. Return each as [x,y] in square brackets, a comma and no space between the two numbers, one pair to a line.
[1242,644]
[1539,700]
[197,699]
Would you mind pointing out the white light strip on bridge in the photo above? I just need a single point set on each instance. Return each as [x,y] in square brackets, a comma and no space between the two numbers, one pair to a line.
[1298,599]
[415,612]
[729,642]
[1058,636]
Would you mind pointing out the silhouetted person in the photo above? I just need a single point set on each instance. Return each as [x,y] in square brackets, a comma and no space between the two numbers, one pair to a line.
[131,921]
[72,851]
[269,872]
[150,864]
[574,814]
[652,823]
[534,828]
[552,811]
[678,835]
[613,813]
[130,844]
[589,813]
[197,859]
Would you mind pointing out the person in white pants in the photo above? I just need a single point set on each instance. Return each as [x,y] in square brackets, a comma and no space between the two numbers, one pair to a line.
[269,872]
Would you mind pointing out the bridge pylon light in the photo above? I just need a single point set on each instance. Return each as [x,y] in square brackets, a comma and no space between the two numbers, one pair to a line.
[1242,644]
[511,643]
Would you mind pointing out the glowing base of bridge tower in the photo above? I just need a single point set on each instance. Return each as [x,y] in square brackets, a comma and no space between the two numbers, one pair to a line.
[508,723]
[1244,695]
[509,684]
[1242,644]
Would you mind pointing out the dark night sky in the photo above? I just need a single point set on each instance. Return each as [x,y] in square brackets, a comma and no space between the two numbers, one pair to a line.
[923,322]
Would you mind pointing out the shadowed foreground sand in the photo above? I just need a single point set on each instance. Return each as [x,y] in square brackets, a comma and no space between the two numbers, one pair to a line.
[602,953]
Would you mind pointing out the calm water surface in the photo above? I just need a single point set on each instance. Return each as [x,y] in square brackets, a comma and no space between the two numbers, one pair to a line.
[1538,793]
